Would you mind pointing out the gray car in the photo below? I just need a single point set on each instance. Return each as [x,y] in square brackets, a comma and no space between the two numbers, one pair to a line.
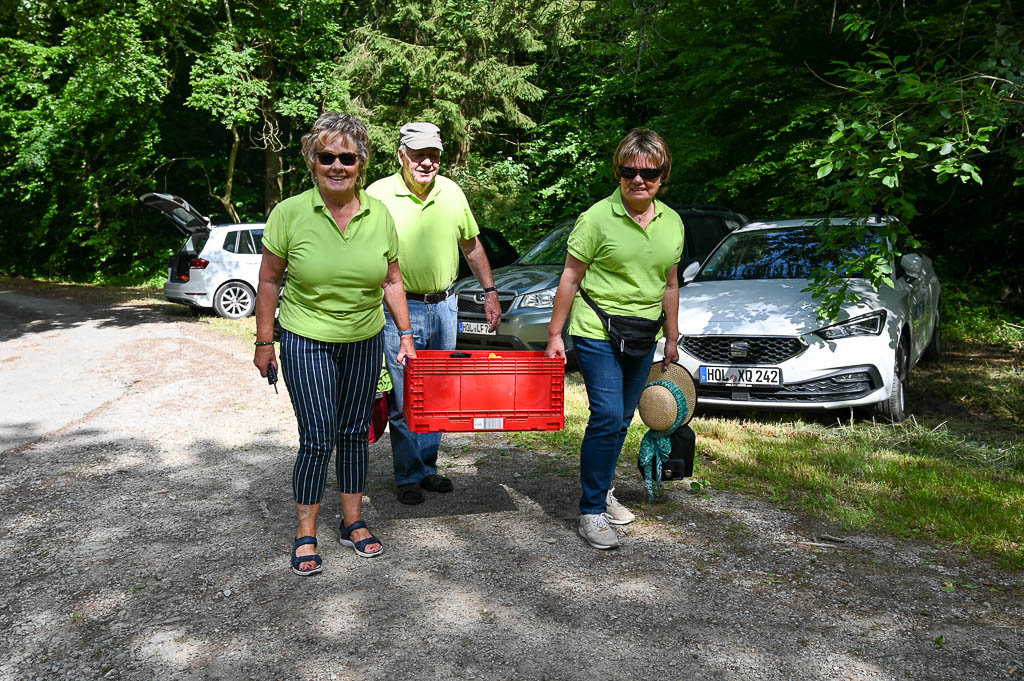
[526,288]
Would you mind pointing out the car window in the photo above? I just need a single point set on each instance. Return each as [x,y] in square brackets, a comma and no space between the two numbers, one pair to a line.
[229,241]
[490,242]
[197,241]
[703,233]
[550,250]
[245,245]
[182,216]
[774,254]
[257,237]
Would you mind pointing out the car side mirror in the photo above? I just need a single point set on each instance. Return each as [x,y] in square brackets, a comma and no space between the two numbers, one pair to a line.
[912,264]
[690,272]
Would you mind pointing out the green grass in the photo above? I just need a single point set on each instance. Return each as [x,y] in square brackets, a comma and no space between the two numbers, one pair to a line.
[906,480]
[952,474]
[972,314]
[981,379]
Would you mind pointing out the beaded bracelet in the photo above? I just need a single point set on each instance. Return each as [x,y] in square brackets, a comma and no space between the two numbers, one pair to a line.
[263,343]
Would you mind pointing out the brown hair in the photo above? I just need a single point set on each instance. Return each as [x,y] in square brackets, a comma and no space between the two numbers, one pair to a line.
[647,144]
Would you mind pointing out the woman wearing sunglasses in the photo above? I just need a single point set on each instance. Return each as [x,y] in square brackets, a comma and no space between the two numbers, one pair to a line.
[623,252]
[341,251]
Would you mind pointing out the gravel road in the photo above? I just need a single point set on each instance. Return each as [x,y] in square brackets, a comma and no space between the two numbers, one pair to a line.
[146,517]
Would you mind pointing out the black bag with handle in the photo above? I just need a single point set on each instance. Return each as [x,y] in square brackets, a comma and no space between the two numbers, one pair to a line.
[631,336]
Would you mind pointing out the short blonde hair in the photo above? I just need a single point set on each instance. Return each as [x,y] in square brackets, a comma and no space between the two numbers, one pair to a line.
[329,125]
[647,144]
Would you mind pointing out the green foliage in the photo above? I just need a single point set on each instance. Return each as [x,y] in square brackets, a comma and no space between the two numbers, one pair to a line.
[973,312]
[497,188]
[224,84]
[74,132]
[456,63]
[771,108]
[908,119]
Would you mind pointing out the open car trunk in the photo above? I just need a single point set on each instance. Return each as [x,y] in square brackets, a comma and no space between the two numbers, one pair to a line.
[186,218]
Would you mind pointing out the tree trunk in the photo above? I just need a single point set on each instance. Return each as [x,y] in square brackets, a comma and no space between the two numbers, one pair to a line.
[273,180]
[225,200]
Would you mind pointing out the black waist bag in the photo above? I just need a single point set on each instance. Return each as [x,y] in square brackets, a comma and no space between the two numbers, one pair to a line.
[630,336]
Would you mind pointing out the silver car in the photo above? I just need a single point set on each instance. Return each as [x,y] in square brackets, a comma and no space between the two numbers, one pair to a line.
[218,266]
[526,288]
[751,336]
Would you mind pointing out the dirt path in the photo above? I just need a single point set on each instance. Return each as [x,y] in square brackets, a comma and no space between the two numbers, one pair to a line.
[145,516]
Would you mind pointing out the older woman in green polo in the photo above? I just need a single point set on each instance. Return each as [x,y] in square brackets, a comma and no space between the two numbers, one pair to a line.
[623,252]
[341,250]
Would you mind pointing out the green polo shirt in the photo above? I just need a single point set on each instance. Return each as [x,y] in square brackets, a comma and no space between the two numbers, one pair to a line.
[333,292]
[626,265]
[428,231]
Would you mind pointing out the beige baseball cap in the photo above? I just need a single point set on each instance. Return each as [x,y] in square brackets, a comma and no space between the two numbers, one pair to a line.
[420,135]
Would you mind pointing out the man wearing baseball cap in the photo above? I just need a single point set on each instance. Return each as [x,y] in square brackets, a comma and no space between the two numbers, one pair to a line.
[434,221]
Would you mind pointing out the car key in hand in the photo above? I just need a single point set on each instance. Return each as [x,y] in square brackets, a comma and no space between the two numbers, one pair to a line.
[272,376]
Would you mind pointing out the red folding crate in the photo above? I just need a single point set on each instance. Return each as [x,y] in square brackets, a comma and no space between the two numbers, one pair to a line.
[454,390]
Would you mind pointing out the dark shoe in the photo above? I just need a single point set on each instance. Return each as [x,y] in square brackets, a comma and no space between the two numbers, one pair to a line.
[436,483]
[299,560]
[410,494]
[345,534]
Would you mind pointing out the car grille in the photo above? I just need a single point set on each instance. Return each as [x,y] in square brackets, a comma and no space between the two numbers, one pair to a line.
[757,349]
[837,388]
[468,304]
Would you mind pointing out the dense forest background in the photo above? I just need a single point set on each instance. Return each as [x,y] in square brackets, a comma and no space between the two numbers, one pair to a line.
[910,107]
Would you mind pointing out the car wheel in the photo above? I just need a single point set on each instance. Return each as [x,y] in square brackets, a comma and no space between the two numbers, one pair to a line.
[933,352]
[894,408]
[234,300]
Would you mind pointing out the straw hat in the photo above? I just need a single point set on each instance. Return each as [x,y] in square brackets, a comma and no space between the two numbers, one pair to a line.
[658,407]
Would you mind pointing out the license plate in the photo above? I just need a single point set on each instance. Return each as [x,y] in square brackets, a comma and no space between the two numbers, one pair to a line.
[479,328]
[741,376]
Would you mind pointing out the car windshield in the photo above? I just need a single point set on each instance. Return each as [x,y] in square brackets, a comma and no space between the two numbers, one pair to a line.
[774,254]
[550,250]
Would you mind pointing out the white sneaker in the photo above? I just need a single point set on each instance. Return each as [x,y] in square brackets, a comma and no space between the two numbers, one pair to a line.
[617,513]
[595,529]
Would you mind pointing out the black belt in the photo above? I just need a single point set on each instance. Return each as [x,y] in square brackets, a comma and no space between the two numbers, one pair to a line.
[430,298]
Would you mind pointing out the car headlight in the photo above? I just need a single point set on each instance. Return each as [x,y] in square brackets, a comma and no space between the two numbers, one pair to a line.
[866,325]
[545,298]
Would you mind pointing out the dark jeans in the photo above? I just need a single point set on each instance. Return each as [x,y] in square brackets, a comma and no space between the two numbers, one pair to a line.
[613,386]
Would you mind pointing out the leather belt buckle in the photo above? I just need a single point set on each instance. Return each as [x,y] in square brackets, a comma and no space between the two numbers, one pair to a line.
[429,298]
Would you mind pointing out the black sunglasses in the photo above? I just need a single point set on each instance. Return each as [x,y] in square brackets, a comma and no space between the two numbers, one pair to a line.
[628,173]
[327,159]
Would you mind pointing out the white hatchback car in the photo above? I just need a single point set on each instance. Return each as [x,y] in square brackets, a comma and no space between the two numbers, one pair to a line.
[751,336]
[218,266]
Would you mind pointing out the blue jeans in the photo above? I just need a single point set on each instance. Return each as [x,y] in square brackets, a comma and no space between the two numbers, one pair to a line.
[613,386]
[434,327]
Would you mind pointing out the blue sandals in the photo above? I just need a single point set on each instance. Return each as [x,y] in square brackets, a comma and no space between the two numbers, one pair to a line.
[299,560]
[359,546]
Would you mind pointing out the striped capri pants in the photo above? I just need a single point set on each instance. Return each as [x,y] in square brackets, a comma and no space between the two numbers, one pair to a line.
[332,386]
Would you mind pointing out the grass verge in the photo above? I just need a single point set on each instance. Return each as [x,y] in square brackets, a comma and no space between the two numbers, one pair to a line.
[908,480]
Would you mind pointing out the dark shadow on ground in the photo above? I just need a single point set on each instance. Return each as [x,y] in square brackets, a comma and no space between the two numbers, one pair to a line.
[174,564]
